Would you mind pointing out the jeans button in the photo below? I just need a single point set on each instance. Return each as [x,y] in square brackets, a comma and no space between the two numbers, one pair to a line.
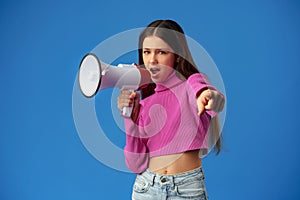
[163,179]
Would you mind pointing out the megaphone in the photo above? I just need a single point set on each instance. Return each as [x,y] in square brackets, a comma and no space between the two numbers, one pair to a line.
[95,75]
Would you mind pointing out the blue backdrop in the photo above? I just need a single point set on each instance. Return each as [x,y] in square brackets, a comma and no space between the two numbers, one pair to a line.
[255,45]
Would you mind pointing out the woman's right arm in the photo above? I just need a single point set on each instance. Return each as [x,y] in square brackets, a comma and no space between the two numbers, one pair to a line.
[135,151]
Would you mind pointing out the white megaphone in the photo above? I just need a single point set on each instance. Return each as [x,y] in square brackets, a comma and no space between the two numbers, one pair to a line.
[95,75]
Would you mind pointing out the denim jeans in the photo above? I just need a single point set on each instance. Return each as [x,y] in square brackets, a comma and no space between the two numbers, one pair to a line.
[187,185]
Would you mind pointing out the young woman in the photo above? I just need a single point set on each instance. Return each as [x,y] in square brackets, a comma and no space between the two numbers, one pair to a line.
[168,129]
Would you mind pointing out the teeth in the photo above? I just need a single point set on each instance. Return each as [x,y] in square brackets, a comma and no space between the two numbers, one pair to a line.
[154,70]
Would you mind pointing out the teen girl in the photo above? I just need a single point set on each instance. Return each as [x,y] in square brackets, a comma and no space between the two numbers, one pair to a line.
[168,129]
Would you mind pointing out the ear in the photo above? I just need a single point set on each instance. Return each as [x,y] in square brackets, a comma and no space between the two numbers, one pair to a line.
[177,59]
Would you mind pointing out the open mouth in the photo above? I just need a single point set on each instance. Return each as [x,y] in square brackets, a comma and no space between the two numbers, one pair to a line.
[154,70]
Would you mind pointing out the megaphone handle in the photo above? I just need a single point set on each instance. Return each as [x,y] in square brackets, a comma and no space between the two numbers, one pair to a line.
[126,111]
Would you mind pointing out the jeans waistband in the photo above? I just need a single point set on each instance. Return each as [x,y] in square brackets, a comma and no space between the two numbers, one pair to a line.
[162,179]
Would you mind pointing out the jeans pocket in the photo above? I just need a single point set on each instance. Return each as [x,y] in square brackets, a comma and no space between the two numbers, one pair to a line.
[141,185]
[192,189]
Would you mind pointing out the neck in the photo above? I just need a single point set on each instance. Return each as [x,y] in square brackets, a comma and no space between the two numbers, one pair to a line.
[170,82]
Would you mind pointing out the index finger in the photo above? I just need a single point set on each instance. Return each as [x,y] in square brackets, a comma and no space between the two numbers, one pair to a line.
[126,92]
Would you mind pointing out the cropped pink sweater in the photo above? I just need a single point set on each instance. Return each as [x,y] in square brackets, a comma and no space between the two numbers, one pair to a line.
[168,122]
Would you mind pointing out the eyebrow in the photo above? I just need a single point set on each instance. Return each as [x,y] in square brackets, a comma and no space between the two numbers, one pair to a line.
[159,49]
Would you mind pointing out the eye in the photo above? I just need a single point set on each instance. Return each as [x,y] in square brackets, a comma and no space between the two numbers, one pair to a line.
[162,52]
[146,52]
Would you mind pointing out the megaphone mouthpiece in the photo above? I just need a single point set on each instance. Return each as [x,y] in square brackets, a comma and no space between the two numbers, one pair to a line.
[145,77]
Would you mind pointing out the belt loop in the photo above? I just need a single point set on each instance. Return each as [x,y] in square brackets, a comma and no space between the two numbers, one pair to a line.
[173,182]
[152,179]
[202,173]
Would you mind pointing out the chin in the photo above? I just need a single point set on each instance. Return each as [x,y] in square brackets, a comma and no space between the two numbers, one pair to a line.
[158,80]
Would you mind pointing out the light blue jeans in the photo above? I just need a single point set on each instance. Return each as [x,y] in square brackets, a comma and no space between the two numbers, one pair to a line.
[188,185]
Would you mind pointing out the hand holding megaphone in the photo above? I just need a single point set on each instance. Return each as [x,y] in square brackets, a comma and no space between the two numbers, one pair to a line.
[95,75]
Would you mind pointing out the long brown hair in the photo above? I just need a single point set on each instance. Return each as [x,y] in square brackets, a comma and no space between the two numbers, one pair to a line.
[171,33]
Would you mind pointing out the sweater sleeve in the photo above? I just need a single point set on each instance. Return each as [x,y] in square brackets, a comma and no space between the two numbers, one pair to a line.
[135,151]
[198,83]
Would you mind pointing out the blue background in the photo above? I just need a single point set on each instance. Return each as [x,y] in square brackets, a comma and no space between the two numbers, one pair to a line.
[255,45]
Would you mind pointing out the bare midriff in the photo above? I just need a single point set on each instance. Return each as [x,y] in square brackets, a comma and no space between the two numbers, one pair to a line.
[175,163]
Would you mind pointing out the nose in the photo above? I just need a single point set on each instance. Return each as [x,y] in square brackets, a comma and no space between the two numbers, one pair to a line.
[153,59]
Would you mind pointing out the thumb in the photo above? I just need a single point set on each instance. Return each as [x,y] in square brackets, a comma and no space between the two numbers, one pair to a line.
[201,107]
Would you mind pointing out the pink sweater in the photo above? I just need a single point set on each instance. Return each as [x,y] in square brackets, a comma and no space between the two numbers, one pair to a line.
[168,122]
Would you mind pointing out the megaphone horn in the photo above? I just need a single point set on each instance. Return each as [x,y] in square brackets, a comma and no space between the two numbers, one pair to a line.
[95,75]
